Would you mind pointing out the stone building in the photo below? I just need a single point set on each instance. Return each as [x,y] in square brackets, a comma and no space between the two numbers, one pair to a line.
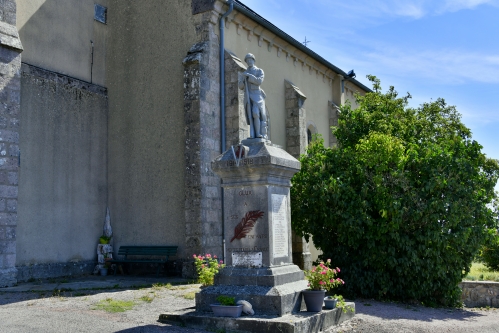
[117,104]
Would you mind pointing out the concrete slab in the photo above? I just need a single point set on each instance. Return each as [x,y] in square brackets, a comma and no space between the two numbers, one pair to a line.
[301,322]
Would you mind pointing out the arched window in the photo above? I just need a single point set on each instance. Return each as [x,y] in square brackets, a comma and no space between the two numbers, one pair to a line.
[311,130]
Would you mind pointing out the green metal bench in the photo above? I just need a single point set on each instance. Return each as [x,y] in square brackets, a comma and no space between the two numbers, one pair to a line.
[150,251]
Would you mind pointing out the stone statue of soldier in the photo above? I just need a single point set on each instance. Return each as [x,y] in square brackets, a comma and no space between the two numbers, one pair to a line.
[254,98]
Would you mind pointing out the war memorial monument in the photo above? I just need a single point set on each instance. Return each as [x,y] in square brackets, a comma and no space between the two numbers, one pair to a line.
[256,180]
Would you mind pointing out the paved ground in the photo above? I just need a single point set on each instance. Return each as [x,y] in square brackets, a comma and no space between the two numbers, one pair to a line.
[73,306]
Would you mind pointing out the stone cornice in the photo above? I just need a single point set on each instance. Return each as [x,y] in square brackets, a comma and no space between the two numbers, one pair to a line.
[9,37]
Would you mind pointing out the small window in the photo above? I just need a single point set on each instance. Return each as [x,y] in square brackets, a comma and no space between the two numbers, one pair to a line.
[100,13]
[309,135]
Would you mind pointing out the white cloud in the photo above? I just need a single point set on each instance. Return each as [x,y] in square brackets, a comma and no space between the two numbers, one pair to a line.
[455,5]
[441,66]
[382,10]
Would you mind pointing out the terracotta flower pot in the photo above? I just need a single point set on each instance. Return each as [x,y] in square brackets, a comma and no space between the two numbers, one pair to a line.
[314,299]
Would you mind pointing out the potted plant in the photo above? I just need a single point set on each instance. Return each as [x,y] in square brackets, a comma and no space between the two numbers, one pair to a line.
[207,267]
[104,239]
[107,263]
[320,278]
[226,307]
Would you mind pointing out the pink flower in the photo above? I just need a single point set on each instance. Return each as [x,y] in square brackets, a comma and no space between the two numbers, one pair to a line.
[215,256]
[208,255]
[324,272]
[221,261]
[321,282]
[338,269]
[194,256]
[329,261]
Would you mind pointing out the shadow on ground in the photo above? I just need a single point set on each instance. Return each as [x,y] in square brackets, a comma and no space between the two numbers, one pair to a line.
[81,286]
[393,311]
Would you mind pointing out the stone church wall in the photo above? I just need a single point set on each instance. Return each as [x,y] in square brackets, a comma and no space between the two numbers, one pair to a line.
[63,173]
[148,133]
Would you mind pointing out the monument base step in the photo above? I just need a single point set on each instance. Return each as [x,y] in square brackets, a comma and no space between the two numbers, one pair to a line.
[300,322]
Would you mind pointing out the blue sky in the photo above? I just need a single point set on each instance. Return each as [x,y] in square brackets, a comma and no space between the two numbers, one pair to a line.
[432,49]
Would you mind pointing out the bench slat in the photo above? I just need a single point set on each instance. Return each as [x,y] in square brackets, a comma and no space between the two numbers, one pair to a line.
[163,251]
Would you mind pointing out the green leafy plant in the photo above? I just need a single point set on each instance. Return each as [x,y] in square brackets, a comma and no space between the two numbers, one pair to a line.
[402,204]
[341,304]
[207,267]
[104,239]
[490,252]
[226,300]
[323,277]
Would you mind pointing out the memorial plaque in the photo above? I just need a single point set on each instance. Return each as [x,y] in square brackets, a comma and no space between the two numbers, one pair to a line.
[280,225]
[247,259]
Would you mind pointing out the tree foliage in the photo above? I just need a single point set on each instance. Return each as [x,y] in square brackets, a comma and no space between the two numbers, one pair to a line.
[403,203]
[489,253]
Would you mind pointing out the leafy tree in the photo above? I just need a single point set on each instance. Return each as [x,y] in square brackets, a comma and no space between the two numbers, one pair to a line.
[403,203]
[490,252]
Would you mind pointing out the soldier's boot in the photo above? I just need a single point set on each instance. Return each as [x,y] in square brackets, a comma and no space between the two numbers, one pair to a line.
[256,121]
[263,129]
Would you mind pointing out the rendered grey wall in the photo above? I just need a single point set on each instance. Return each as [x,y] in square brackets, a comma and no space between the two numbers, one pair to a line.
[56,35]
[148,41]
[62,182]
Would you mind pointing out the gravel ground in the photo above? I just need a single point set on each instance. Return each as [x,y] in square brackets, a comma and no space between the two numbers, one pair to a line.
[378,317]
[75,311]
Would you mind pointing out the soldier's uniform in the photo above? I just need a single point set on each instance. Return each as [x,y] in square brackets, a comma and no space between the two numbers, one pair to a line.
[257,99]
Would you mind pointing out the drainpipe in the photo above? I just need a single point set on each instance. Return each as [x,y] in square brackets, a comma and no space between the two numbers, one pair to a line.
[222,104]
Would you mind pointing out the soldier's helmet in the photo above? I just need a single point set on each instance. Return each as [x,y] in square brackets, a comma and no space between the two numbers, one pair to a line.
[249,55]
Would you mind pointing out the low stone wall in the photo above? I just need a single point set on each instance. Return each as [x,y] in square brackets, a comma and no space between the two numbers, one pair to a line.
[54,270]
[480,293]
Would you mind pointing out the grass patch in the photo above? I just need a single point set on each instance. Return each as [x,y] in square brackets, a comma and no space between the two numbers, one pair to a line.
[190,295]
[159,286]
[479,272]
[147,299]
[111,305]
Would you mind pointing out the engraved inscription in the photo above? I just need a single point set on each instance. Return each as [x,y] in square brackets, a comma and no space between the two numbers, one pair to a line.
[247,249]
[245,192]
[280,225]
[246,161]
[247,259]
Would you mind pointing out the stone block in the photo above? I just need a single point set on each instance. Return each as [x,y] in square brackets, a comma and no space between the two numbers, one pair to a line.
[46,271]
[13,150]
[11,205]
[8,219]
[8,191]
[8,247]
[10,233]
[8,277]
[9,136]
[301,322]
[9,163]
[9,260]
[277,301]
[4,122]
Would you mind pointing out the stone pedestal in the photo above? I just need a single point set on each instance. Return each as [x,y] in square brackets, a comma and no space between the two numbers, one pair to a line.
[256,177]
